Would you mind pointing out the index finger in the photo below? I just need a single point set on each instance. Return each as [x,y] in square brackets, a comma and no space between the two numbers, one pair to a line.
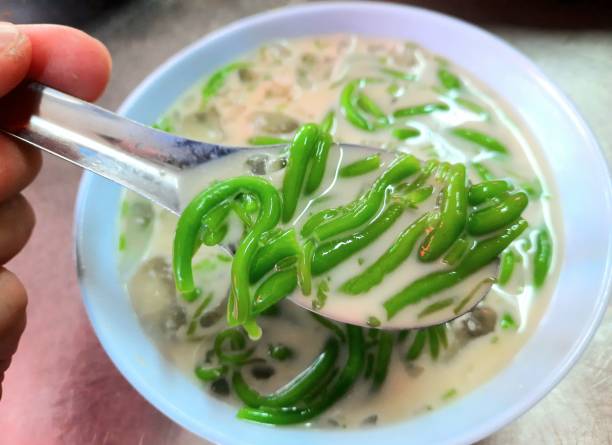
[68,59]
[64,58]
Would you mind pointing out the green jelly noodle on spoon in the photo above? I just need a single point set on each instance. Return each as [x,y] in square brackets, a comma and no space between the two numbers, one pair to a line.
[318,255]
[334,235]
[436,211]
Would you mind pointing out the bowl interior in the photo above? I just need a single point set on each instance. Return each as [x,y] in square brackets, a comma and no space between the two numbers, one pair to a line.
[576,305]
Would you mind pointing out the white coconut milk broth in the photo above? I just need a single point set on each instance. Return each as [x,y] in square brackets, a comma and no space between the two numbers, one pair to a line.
[302,79]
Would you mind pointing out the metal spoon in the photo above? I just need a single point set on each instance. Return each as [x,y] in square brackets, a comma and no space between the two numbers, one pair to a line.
[149,162]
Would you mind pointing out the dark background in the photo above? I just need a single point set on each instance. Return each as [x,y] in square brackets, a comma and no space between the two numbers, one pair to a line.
[566,14]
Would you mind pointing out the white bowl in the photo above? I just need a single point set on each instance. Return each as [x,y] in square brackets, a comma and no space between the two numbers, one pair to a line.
[574,160]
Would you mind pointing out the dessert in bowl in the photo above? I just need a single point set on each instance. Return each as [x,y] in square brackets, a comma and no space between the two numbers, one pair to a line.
[397,87]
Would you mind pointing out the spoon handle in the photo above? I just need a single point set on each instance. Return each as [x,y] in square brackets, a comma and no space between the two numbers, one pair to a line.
[142,159]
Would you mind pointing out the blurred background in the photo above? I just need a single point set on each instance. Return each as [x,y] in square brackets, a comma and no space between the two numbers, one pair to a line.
[63,389]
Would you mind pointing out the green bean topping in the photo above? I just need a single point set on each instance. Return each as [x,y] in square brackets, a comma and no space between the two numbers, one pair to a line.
[210,374]
[453,214]
[456,251]
[483,140]
[441,333]
[188,228]
[318,163]
[331,253]
[369,106]
[508,260]
[481,254]
[442,172]
[498,215]
[472,106]
[436,307]
[274,288]
[328,223]
[542,258]
[507,322]
[217,80]
[415,197]
[301,150]
[417,345]
[417,110]
[397,74]
[266,140]
[434,343]
[405,133]
[323,383]
[421,179]
[382,360]
[336,389]
[465,300]
[355,106]
[304,267]
[303,384]
[360,167]
[448,79]
[241,209]
[274,249]
[390,260]
[484,191]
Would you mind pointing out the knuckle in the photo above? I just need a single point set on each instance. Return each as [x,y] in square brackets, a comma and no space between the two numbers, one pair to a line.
[14,297]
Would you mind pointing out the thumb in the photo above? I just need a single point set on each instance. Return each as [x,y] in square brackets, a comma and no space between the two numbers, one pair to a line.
[15,57]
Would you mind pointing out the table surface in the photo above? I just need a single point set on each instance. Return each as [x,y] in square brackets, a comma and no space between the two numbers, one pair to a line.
[63,389]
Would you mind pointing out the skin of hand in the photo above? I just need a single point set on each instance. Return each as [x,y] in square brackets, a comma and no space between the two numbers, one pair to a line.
[68,60]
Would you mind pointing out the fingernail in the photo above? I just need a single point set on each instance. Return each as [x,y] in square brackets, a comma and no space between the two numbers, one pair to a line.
[9,35]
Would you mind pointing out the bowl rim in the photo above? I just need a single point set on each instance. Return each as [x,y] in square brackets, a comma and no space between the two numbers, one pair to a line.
[510,413]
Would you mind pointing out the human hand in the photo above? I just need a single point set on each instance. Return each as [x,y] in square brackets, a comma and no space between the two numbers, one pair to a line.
[68,60]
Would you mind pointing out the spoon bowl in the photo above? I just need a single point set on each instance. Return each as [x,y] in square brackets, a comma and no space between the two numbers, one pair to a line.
[158,165]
